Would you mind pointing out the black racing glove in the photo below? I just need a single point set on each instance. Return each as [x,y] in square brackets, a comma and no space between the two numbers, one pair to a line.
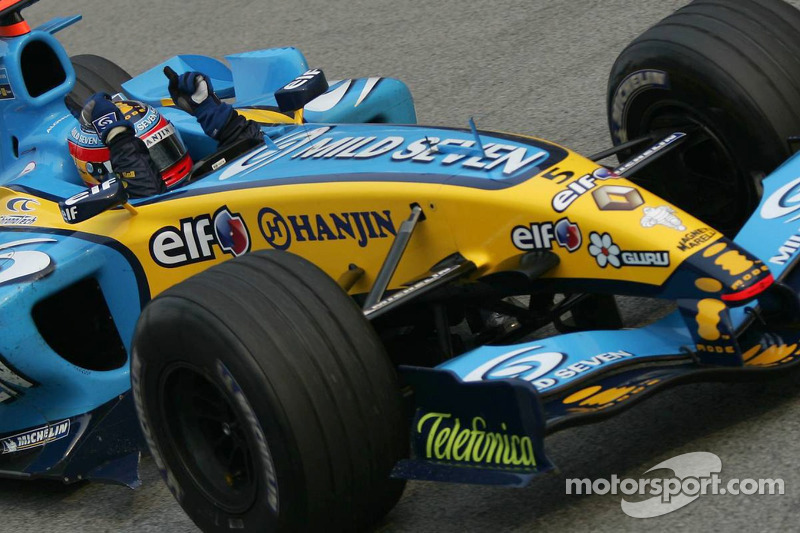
[192,92]
[104,116]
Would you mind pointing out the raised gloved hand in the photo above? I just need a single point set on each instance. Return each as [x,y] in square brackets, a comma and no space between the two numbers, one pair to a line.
[105,117]
[192,92]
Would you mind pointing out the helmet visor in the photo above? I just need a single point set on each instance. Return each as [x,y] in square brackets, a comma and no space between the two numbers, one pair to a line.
[165,146]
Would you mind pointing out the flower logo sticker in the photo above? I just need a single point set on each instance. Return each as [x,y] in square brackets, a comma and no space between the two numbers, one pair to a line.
[604,250]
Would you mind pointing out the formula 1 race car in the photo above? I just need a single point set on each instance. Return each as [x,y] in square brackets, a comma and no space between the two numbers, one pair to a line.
[310,321]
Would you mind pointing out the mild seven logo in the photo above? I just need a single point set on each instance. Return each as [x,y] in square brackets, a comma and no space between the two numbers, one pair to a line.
[783,202]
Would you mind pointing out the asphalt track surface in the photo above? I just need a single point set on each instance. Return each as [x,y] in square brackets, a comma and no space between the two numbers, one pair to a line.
[530,66]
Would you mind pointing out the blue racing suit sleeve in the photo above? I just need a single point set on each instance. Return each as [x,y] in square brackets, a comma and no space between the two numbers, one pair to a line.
[131,161]
[238,128]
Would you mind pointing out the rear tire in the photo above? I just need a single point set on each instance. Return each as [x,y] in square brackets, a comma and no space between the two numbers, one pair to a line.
[267,399]
[728,73]
[94,74]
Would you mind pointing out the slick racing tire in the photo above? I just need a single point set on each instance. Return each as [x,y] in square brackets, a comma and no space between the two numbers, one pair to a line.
[267,400]
[94,74]
[727,73]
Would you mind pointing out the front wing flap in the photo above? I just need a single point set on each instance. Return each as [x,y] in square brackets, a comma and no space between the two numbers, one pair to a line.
[488,433]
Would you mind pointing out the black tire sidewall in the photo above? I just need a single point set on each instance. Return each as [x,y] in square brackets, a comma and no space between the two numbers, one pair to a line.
[751,144]
[202,343]
[744,130]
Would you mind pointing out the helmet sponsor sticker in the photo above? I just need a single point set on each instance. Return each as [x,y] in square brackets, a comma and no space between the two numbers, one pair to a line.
[159,135]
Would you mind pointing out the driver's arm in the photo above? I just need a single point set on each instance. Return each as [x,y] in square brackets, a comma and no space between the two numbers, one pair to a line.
[130,159]
[192,92]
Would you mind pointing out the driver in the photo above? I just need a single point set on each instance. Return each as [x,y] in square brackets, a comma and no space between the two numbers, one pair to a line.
[138,144]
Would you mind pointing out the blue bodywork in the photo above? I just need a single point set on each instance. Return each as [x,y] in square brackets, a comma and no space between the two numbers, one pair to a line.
[71,423]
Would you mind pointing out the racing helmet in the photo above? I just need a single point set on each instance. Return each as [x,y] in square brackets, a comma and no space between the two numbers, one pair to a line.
[160,137]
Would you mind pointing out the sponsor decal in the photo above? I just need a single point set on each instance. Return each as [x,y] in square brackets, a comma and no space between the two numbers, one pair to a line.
[11,381]
[617,198]
[605,252]
[104,121]
[35,437]
[596,397]
[313,144]
[777,354]
[540,369]
[565,198]
[541,235]
[709,315]
[301,80]
[231,233]
[715,348]
[630,86]
[525,364]
[194,238]
[85,138]
[30,167]
[369,85]
[695,238]
[69,211]
[734,263]
[446,439]
[360,226]
[57,122]
[136,388]
[20,265]
[661,216]
[6,92]
[786,251]
[21,204]
[650,152]
[783,202]
[261,446]
[331,98]
[17,220]
[421,284]
[147,122]
[158,136]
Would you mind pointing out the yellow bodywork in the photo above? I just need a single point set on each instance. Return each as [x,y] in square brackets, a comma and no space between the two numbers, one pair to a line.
[476,223]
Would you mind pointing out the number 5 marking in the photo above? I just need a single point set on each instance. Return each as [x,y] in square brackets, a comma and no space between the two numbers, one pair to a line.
[18,265]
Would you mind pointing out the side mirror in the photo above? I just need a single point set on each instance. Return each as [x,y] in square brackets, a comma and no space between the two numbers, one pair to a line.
[92,202]
[297,93]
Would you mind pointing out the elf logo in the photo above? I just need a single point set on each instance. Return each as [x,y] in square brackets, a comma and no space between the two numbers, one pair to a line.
[193,240]
[301,80]
[541,235]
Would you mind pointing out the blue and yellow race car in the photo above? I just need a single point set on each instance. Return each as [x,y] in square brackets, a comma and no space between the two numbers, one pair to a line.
[304,323]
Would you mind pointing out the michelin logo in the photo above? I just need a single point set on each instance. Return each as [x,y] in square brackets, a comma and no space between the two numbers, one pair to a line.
[35,437]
